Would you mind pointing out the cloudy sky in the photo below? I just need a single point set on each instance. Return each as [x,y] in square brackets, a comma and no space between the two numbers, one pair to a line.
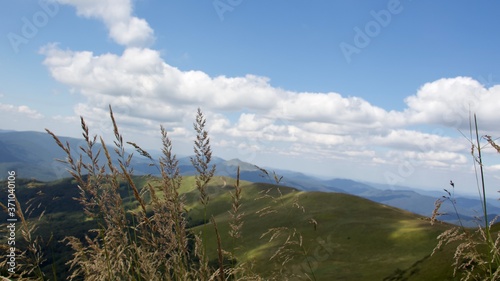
[369,90]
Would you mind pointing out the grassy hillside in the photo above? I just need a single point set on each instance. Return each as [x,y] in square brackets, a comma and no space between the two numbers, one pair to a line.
[353,238]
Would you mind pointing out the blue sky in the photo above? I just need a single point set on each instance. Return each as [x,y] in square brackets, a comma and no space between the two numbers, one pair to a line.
[373,90]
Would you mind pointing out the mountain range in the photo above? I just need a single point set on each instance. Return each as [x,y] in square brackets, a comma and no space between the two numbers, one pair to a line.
[34,154]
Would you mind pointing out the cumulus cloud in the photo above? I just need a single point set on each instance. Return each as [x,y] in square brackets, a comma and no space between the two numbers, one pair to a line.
[249,114]
[332,108]
[451,101]
[146,90]
[415,140]
[441,159]
[140,74]
[25,118]
[124,28]
[22,110]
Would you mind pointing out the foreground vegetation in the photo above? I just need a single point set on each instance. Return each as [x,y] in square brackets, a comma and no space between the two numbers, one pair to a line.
[210,228]
[476,255]
[354,239]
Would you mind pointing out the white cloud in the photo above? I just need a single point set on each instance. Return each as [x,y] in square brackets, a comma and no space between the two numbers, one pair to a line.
[249,116]
[249,122]
[141,74]
[493,168]
[124,28]
[145,91]
[332,108]
[21,110]
[429,158]
[418,141]
[451,101]
[25,118]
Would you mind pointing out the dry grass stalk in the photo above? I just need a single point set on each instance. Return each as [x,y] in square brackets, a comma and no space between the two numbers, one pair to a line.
[236,223]
[219,251]
[152,242]
[202,159]
[290,245]
[476,255]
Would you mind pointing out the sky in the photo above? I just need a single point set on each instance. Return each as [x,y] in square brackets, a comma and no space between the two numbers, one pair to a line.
[380,90]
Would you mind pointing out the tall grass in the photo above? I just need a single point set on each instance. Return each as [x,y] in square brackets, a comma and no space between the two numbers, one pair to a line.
[477,253]
[150,242]
[30,259]
[291,245]
[146,237]
[205,172]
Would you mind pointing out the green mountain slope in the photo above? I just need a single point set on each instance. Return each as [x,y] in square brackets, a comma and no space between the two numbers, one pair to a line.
[354,238]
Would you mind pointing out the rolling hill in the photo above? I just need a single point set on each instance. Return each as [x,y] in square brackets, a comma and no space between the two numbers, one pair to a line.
[354,238]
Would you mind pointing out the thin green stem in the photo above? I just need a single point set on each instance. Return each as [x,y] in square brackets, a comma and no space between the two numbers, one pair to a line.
[483,195]
[308,263]
[487,230]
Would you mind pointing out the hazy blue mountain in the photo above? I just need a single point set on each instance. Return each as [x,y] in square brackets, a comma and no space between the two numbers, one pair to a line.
[351,187]
[33,154]
[433,193]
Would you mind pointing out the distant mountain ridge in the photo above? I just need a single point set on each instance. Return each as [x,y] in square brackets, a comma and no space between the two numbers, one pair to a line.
[33,154]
